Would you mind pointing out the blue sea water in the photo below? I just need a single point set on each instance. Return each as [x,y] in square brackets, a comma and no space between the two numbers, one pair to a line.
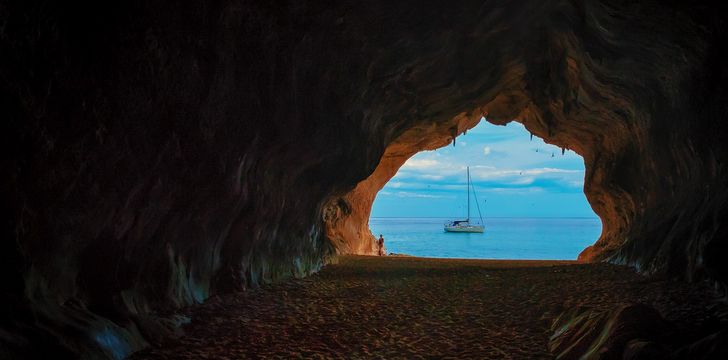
[504,238]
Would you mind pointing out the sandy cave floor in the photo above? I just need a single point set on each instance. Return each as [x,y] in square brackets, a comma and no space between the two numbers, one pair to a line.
[407,307]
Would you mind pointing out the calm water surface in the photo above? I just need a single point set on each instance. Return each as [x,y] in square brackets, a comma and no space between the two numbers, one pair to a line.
[504,238]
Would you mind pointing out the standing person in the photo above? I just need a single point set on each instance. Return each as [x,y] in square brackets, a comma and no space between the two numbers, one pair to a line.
[380,245]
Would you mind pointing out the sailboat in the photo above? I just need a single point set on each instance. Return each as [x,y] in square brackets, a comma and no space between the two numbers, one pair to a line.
[465,225]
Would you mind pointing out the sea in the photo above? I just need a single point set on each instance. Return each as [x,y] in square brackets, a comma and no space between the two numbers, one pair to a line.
[504,238]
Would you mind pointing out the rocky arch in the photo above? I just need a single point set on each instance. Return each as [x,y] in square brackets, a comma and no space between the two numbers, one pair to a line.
[155,160]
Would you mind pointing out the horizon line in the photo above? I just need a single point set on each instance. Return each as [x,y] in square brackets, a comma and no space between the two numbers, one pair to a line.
[491,217]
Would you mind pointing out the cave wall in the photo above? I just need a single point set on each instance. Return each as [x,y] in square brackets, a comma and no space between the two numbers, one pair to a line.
[633,89]
[157,154]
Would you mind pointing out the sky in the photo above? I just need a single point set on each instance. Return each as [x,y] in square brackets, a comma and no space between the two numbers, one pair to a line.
[513,176]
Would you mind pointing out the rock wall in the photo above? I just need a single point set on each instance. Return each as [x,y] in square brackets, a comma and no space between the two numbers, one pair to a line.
[156,154]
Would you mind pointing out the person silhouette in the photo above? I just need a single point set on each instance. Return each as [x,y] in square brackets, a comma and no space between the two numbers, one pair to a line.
[380,245]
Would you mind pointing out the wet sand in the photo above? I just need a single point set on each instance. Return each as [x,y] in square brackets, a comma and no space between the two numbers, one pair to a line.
[408,307]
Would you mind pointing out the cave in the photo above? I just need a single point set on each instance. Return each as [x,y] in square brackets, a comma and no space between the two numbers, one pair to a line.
[158,155]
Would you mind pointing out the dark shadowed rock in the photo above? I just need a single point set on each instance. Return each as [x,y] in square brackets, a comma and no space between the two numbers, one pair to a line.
[645,350]
[713,346]
[626,331]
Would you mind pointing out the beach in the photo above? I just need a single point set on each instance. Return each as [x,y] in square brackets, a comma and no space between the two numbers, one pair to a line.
[409,307]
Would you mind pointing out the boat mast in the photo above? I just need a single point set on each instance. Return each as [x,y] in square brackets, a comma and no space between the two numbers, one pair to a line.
[475,196]
[468,194]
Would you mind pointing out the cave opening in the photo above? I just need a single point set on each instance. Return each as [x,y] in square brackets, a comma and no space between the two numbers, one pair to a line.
[527,193]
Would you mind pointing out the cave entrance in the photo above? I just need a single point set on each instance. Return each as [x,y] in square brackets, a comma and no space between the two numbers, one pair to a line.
[530,194]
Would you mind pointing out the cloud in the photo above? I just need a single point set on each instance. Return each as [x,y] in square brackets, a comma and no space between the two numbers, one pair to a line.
[490,172]
[415,185]
[420,164]
[407,194]
[523,181]
[486,150]
[551,171]
[516,191]
[429,169]
[432,177]
[395,184]
[451,178]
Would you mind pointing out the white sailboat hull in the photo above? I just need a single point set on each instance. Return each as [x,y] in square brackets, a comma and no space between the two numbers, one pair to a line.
[466,229]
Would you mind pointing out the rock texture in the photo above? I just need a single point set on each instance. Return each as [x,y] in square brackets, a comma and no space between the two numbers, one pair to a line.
[155,154]
[633,331]
[624,332]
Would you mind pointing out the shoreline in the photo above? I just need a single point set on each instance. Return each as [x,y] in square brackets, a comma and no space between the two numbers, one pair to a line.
[552,262]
